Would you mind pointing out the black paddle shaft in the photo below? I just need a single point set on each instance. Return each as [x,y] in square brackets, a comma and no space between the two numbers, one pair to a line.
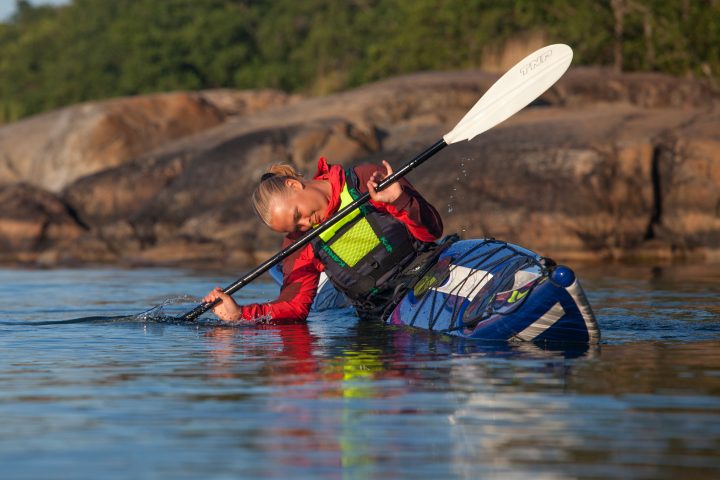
[311,234]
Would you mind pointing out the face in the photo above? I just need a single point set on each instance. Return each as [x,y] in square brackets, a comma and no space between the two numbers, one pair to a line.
[299,209]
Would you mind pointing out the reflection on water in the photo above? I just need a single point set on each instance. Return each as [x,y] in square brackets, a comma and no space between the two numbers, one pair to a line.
[132,397]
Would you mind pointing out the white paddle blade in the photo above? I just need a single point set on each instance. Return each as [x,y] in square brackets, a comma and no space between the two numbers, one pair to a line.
[515,90]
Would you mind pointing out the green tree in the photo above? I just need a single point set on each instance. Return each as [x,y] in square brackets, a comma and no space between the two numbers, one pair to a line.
[94,49]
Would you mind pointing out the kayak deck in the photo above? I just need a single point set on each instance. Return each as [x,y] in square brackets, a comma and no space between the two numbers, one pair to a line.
[492,290]
[487,289]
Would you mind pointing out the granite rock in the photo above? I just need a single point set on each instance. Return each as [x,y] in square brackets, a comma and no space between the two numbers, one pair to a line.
[603,165]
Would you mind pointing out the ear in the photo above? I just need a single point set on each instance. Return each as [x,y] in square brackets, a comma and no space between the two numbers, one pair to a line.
[294,184]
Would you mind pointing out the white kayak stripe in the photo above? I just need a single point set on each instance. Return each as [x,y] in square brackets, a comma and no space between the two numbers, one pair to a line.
[543,323]
[464,281]
[467,282]
[322,280]
[523,277]
[578,294]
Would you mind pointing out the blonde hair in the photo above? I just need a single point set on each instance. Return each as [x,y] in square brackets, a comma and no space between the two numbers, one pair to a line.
[272,183]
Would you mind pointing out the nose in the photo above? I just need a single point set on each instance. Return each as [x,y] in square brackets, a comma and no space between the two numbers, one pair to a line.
[305,223]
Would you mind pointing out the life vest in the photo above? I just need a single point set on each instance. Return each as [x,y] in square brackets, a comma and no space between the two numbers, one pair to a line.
[364,251]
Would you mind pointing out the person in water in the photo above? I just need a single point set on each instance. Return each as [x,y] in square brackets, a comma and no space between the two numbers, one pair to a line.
[364,254]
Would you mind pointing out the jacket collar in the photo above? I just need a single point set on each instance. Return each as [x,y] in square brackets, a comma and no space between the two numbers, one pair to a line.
[336,176]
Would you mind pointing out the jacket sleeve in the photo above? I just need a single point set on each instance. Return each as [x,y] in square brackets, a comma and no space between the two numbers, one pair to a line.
[301,272]
[419,216]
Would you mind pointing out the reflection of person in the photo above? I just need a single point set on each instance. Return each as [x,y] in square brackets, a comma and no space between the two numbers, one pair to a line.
[363,254]
[296,359]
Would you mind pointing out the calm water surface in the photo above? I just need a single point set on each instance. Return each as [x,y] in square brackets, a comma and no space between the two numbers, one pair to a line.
[128,396]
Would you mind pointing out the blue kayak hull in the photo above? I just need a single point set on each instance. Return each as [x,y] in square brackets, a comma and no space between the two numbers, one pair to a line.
[486,289]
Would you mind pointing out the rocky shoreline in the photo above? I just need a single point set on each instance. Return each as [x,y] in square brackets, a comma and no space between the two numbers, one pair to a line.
[603,166]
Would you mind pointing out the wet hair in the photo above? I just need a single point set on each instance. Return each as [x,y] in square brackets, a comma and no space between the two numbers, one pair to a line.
[272,183]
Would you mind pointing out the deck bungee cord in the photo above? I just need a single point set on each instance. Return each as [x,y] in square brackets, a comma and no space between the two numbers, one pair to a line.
[487,289]
[489,272]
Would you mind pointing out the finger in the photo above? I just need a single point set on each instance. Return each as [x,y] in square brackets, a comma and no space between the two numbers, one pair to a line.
[213,295]
[223,296]
[372,186]
[388,168]
[219,304]
[210,298]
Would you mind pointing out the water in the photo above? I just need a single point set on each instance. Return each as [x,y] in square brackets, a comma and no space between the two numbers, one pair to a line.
[116,396]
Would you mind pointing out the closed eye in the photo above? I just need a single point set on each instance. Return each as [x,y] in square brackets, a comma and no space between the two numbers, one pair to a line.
[296,219]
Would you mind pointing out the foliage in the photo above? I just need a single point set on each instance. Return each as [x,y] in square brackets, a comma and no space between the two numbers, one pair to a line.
[94,49]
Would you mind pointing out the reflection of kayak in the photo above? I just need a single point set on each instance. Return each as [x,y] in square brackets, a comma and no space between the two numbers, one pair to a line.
[491,290]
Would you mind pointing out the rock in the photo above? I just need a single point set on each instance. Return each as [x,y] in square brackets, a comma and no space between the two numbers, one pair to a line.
[235,104]
[686,173]
[117,193]
[592,85]
[214,187]
[53,149]
[603,166]
[31,219]
[623,183]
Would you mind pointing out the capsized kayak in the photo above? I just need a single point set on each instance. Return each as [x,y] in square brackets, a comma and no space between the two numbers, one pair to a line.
[487,289]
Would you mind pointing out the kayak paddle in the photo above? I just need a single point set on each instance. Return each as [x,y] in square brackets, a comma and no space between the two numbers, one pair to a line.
[517,88]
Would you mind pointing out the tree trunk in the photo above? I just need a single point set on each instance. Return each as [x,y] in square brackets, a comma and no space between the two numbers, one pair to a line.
[618,8]
[648,34]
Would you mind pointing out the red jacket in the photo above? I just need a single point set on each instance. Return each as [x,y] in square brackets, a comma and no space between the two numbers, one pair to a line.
[301,270]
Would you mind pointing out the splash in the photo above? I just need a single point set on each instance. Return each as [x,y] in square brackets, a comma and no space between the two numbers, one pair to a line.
[157,313]
[460,179]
